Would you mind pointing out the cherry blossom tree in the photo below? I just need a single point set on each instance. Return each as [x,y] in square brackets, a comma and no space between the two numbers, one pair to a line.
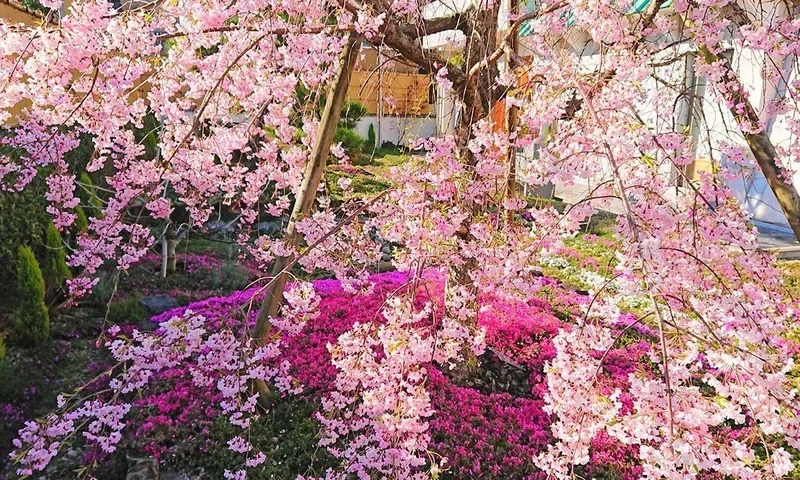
[223,82]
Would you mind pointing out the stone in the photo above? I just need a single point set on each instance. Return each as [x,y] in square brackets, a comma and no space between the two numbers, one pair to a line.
[157,304]
[142,468]
[148,325]
[173,475]
[272,227]
[386,252]
[218,226]
[384,266]
[495,373]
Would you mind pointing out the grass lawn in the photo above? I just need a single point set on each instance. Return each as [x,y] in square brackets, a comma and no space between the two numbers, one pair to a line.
[369,175]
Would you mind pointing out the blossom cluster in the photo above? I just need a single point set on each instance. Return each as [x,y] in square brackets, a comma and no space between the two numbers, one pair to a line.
[217,361]
[223,81]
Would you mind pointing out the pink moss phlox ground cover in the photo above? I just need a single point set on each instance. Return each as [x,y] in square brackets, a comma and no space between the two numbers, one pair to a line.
[483,435]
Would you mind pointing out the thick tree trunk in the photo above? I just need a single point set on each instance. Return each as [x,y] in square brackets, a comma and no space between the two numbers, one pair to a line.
[761,146]
[478,98]
[458,274]
[304,199]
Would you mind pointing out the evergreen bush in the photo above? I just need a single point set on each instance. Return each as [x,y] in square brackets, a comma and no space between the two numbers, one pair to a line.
[23,220]
[129,310]
[231,277]
[81,223]
[55,268]
[351,114]
[369,147]
[31,320]
[87,193]
[352,142]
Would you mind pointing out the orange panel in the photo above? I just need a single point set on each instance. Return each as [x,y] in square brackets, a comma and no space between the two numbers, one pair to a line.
[499,116]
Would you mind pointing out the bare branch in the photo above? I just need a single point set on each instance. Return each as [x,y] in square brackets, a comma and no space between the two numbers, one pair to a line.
[276,31]
[512,33]
[431,26]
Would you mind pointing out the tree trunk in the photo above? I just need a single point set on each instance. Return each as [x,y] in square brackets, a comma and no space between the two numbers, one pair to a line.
[172,242]
[304,199]
[761,146]
[169,240]
[478,98]
[164,253]
[512,114]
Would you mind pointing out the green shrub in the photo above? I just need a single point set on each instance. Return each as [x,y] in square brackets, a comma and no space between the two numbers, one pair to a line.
[55,268]
[103,289]
[79,157]
[81,223]
[352,142]
[85,189]
[87,193]
[230,277]
[23,215]
[31,320]
[127,311]
[23,219]
[2,349]
[369,146]
[289,436]
[148,134]
[351,114]
[34,6]
[229,251]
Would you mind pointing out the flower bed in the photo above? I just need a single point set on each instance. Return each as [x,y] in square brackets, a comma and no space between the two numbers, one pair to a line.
[483,434]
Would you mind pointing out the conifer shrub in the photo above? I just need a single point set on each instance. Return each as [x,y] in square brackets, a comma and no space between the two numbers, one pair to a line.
[371,139]
[31,319]
[23,220]
[55,268]
[81,223]
[87,193]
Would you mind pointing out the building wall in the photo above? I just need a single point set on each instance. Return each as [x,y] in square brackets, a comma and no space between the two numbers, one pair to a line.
[403,93]
[397,99]
[711,123]
[12,12]
[717,125]
[398,130]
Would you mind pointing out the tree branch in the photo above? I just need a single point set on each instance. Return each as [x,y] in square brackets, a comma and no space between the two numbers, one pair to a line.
[506,42]
[439,24]
[394,37]
[778,179]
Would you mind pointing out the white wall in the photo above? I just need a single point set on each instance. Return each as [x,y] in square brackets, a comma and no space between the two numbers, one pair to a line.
[398,130]
[713,125]
[718,127]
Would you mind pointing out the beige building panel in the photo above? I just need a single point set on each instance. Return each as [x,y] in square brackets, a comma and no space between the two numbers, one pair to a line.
[403,93]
